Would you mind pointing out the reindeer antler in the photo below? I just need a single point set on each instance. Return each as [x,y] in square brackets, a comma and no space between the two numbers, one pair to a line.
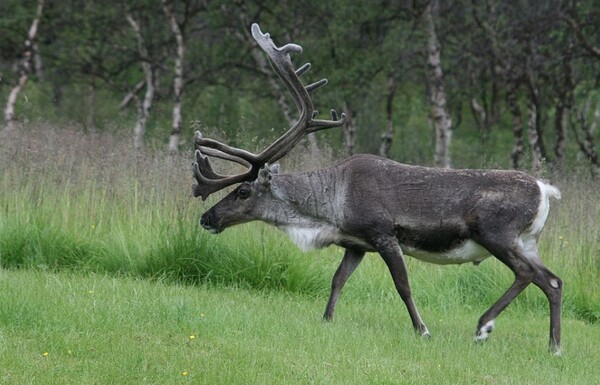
[208,180]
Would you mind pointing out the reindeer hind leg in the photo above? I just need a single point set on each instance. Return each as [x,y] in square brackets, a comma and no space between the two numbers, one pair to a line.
[517,260]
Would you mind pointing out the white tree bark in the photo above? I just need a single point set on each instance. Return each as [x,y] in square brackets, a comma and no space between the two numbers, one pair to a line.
[439,111]
[480,115]
[176,126]
[131,95]
[144,107]
[24,69]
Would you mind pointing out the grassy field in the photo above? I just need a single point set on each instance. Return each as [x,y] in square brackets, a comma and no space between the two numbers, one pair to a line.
[73,328]
[105,277]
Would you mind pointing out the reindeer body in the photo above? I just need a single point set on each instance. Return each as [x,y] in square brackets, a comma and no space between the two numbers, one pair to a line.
[436,215]
[367,203]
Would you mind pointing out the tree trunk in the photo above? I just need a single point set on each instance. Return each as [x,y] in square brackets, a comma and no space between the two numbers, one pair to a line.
[131,95]
[566,86]
[388,136]
[534,139]
[144,107]
[517,124]
[561,135]
[24,69]
[37,63]
[535,100]
[439,112]
[90,101]
[586,144]
[349,130]
[177,124]
[480,118]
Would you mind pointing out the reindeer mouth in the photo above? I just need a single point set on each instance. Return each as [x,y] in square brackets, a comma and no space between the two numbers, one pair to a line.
[211,230]
[208,223]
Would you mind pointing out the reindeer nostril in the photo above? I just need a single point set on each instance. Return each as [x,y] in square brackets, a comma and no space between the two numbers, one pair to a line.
[208,222]
[205,220]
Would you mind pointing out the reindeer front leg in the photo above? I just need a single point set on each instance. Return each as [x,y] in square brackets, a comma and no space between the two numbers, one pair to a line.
[390,251]
[352,259]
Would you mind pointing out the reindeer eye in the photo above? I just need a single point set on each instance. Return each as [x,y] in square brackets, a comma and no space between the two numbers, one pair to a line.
[244,193]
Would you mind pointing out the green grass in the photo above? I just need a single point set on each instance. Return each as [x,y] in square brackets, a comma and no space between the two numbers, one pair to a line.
[73,328]
[106,270]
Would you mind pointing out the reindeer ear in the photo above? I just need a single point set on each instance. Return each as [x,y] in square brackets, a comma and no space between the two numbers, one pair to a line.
[274,168]
[265,175]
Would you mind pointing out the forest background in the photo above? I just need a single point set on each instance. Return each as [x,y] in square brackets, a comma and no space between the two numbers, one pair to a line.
[516,83]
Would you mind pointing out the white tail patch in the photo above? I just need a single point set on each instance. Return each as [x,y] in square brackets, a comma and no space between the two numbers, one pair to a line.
[550,190]
[546,191]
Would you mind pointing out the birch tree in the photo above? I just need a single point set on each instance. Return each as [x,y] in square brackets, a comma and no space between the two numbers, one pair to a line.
[24,68]
[439,112]
[178,84]
[149,73]
[179,25]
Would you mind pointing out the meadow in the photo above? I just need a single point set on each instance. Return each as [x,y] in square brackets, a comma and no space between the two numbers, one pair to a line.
[107,278]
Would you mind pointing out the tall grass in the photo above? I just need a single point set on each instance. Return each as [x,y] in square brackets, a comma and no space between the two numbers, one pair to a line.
[87,202]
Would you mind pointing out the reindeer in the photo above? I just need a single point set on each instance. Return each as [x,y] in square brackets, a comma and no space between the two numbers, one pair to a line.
[371,204]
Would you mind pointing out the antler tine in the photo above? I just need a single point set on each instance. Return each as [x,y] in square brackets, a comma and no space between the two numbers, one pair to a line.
[210,181]
[318,124]
[234,152]
[315,125]
[315,85]
[302,70]
[222,155]
[207,185]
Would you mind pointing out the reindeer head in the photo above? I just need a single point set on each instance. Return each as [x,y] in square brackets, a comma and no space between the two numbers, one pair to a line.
[249,201]
[246,201]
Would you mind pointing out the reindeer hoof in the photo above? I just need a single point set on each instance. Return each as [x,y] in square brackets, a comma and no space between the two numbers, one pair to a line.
[424,332]
[484,332]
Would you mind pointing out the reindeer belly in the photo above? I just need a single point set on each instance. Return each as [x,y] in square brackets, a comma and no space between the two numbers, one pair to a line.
[467,251]
[441,244]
